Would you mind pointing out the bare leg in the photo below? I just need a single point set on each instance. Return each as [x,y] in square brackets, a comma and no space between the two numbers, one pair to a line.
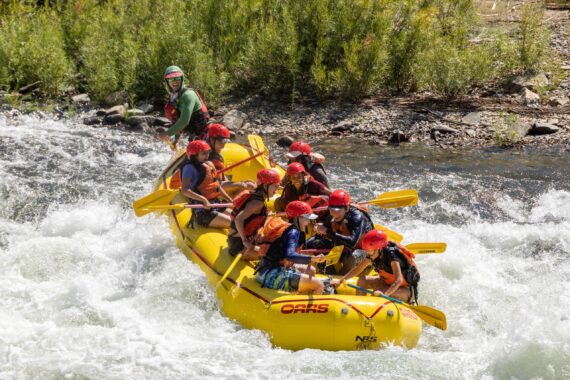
[305,269]
[250,255]
[377,283]
[310,285]
[220,221]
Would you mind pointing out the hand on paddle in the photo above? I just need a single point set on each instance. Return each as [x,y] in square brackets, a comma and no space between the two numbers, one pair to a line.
[318,259]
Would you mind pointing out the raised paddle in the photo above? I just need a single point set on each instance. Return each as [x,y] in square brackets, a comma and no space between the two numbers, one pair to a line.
[428,314]
[392,235]
[423,248]
[256,143]
[390,199]
[242,161]
[159,197]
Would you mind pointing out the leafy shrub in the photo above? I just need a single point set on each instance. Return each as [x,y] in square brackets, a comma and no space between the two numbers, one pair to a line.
[506,131]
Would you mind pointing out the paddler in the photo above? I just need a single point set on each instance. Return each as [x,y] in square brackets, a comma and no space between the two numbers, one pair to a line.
[185,108]
[346,224]
[249,214]
[217,137]
[300,151]
[301,186]
[398,274]
[200,183]
[281,267]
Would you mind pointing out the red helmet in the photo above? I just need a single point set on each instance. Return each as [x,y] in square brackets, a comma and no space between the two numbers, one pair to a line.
[295,168]
[197,146]
[299,146]
[374,240]
[268,177]
[218,130]
[339,198]
[299,208]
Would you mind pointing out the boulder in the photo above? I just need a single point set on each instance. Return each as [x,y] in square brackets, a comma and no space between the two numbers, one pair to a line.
[522,129]
[529,81]
[472,118]
[343,126]
[529,98]
[234,119]
[113,119]
[135,112]
[398,137]
[540,128]
[146,107]
[136,120]
[116,110]
[471,133]
[93,120]
[161,121]
[285,141]
[81,99]
[117,97]
[557,101]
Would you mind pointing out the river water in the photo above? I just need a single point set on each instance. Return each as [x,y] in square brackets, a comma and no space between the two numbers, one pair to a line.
[90,291]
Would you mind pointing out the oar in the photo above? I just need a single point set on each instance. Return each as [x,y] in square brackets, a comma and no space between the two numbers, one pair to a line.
[159,197]
[422,248]
[242,161]
[428,314]
[231,267]
[334,255]
[392,235]
[395,199]
[257,143]
[181,206]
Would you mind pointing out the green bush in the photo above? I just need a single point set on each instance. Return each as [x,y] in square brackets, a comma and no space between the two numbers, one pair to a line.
[31,50]
[506,131]
[533,37]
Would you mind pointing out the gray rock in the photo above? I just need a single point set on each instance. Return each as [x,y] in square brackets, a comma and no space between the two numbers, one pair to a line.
[234,119]
[539,128]
[161,121]
[117,97]
[113,119]
[116,110]
[398,137]
[146,107]
[529,98]
[557,101]
[523,129]
[6,107]
[80,99]
[443,129]
[565,67]
[285,141]
[136,120]
[471,132]
[472,118]
[530,82]
[93,120]
[343,126]
[135,112]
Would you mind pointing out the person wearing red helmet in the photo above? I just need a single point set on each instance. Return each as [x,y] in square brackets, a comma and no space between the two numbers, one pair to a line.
[281,267]
[185,108]
[301,186]
[345,224]
[217,137]
[300,151]
[398,274]
[249,214]
[200,183]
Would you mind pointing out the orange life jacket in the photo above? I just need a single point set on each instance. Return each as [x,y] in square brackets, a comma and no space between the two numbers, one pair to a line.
[389,278]
[273,228]
[342,226]
[254,222]
[210,184]
[218,162]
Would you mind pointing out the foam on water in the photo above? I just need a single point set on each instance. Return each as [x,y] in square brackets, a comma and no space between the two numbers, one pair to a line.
[88,290]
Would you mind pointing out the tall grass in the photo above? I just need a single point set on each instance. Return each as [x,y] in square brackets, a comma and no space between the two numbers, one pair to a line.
[327,48]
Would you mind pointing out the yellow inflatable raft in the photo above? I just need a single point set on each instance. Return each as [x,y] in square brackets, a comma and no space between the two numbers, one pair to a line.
[341,321]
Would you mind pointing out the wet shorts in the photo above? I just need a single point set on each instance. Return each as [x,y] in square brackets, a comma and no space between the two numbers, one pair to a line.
[203,217]
[235,245]
[279,279]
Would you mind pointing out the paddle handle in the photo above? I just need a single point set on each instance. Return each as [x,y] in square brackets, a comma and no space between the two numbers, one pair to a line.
[213,205]
[371,292]
[314,251]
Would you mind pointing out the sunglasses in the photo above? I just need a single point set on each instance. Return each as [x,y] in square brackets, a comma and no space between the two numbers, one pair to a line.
[170,80]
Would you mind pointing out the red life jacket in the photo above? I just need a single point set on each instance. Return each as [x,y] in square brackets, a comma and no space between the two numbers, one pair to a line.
[314,200]
[252,224]
[198,120]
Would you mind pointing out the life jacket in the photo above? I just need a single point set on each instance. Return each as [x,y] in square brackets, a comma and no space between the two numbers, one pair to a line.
[254,222]
[272,230]
[198,120]
[290,193]
[342,226]
[410,272]
[218,161]
[208,184]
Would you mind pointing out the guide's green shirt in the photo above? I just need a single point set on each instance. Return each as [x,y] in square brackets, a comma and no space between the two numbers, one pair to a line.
[186,105]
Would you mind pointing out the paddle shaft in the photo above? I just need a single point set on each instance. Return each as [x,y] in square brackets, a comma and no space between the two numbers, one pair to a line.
[231,267]
[184,205]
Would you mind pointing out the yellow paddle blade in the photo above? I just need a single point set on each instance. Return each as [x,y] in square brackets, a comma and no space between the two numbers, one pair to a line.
[230,268]
[334,255]
[421,248]
[395,199]
[392,235]
[257,144]
[159,197]
[431,316]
